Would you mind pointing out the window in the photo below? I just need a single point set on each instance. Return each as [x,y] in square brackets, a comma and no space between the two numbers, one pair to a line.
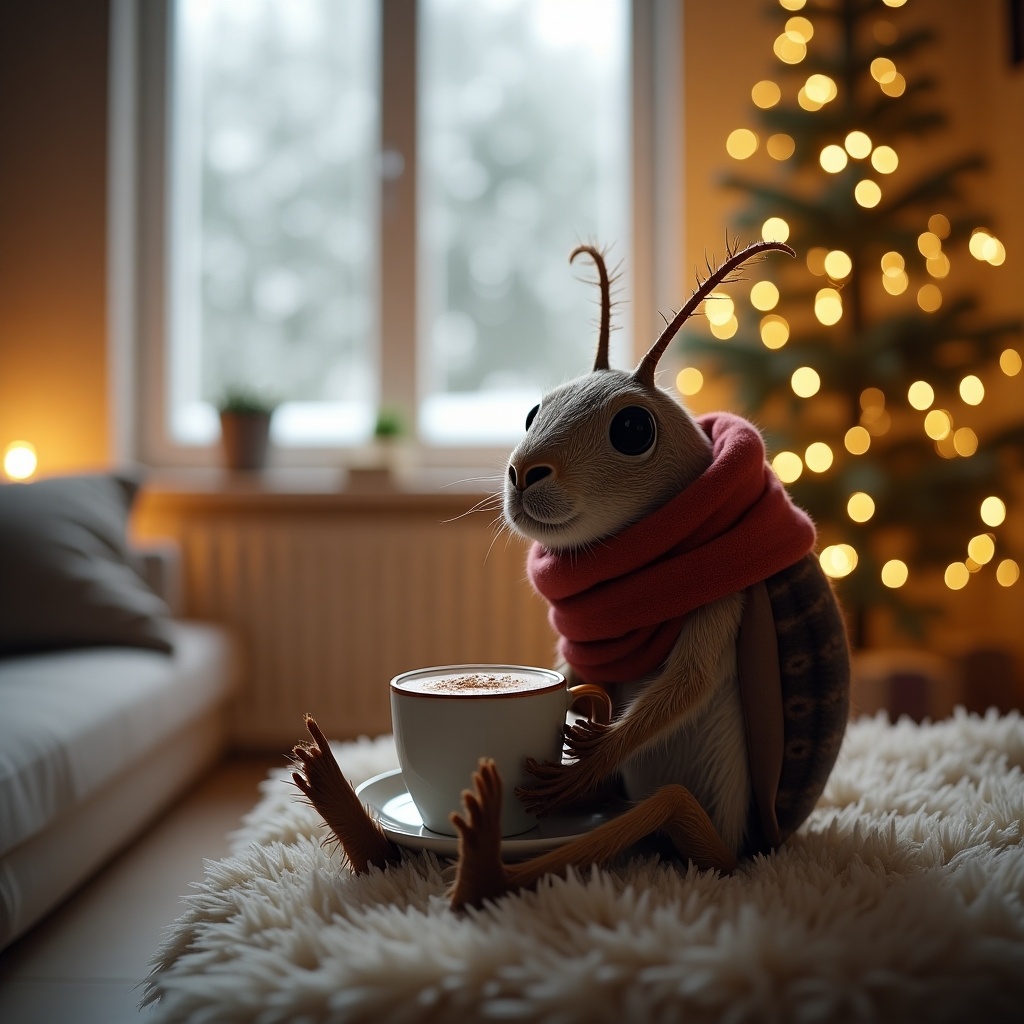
[351,205]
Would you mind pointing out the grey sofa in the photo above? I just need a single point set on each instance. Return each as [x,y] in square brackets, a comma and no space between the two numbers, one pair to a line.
[110,704]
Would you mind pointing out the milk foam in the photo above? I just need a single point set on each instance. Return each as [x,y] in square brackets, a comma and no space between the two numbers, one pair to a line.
[475,683]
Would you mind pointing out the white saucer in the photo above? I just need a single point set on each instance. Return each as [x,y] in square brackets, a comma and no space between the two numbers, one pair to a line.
[386,795]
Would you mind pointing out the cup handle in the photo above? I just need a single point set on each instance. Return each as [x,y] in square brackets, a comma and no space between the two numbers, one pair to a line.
[597,700]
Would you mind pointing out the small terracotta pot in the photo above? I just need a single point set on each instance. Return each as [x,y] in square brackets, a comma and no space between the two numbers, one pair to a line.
[245,437]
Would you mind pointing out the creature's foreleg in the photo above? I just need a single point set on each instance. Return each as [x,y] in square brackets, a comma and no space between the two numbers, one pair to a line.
[327,789]
[482,875]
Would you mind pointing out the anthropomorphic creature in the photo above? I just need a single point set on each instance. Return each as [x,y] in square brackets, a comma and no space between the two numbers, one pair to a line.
[681,577]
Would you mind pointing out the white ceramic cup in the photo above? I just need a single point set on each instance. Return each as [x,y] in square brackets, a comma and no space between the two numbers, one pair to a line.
[448,717]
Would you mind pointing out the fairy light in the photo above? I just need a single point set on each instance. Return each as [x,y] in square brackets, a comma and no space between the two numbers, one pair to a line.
[790,47]
[883,70]
[982,548]
[892,263]
[938,424]
[838,265]
[788,466]
[894,3]
[818,457]
[895,573]
[689,380]
[872,398]
[993,511]
[774,331]
[833,158]
[937,266]
[929,244]
[921,394]
[821,89]
[764,296]
[792,5]
[861,507]
[828,306]
[816,260]
[780,146]
[938,224]
[857,440]
[868,193]
[972,391]
[896,283]
[965,442]
[1007,572]
[727,330]
[1010,362]
[929,297]
[765,94]
[857,144]
[807,102]
[838,560]
[957,575]
[800,27]
[986,247]
[719,308]
[742,143]
[775,229]
[884,159]
[895,86]
[805,382]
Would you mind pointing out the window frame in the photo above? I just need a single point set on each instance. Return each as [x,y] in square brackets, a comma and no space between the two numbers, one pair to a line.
[138,257]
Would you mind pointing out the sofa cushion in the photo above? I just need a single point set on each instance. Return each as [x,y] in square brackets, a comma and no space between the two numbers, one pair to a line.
[66,575]
[72,720]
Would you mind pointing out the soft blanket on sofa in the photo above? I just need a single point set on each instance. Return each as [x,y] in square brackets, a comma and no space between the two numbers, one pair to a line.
[902,898]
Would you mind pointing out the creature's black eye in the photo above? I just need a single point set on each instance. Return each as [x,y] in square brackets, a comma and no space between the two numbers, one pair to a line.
[531,416]
[632,431]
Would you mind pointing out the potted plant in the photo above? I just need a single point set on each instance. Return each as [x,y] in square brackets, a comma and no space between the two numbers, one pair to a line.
[245,428]
[376,467]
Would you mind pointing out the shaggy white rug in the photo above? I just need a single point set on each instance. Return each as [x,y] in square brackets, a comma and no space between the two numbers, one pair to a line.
[902,898]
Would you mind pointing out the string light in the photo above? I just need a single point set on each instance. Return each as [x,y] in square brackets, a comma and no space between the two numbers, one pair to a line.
[972,391]
[788,466]
[725,331]
[894,87]
[821,89]
[872,398]
[938,224]
[719,308]
[806,102]
[857,440]
[938,424]
[965,442]
[884,159]
[892,263]
[1010,362]
[800,27]
[896,283]
[775,229]
[805,382]
[774,331]
[861,507]
[838,560]
[929,244]
[981,548]
[929,297]
[920,394]
[780,146]
[742,143]
[858,144]
[883,70]
[1007,572]
[765,94]
[689,380]
[833,158]
[895,573]
[937,266]
[986,247]
[818,457]
[792,5]
[816,260]
[838,265]
[868,193]
[764,296]
[790,48]
[993,511]
[957,575]
[828,306]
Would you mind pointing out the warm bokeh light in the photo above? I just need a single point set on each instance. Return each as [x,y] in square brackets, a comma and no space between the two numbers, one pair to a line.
[689,380]
[718,308]
[775,229]
[884,159]
[788,466]
[884,32]
[765,94]
[20,460]
[993,511]
[892,263]
[982,548]
[1007,572]
[937,266]
[833,158]
[965,442]
[838,265]
[790,48]
[929,243]
[872,398]
[861,507]
[818,457]
[774,331]
[801,27]
[805,382]
[894,87]
[929,297]
[725,331]
[895,282]
[972,391]
[764,296]
[741,143]
[821,89]
[1010,362]
[828,306]
[780,146]
[868,193]
[838,560]
[986,247]
[816,260]
[883,69]
[895,573]
[921,394]
[938,424]
[956,576]
[792,5]
[894,3]
[857,144]
[938,224]
[857,440]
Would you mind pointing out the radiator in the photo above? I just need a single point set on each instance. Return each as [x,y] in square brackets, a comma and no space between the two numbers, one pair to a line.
[328,610]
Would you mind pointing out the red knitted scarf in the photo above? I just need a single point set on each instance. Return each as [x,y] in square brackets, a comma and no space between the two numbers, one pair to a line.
[618,608]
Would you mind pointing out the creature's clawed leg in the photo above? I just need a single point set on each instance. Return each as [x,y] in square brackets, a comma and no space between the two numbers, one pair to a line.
[673,810]
[327,789]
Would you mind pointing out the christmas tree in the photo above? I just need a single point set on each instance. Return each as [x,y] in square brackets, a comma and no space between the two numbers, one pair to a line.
[862,360]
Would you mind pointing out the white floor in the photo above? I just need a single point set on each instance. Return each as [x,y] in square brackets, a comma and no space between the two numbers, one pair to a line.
[82,965]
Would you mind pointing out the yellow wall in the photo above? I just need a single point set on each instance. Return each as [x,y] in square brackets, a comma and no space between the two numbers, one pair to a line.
[53,106]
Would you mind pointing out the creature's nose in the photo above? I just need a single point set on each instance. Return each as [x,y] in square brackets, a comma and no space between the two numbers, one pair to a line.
[527,476]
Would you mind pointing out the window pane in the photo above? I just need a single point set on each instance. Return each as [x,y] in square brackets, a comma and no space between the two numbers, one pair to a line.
[274,214]
[525,153]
